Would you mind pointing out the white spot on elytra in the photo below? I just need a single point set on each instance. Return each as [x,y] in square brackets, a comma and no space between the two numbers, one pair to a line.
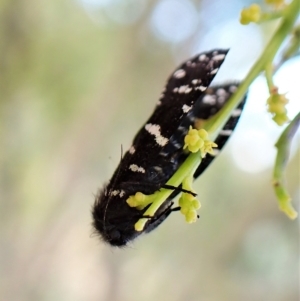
[182,89]
[221,92]
[186,108]
[135,168]
[188,90]
[232,89]
[191,64]
[226,132]
[114,192]
[154,129]
[175,90]
[219,57]
[236,113]
[161,140]
[209,99]
[214,71]
[132,150]
[201,88]
[202,57]
[180,73]
[196,81]
[221,99]
[158,169]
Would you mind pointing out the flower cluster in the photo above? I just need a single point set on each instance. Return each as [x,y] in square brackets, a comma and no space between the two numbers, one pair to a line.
[276,106]
[188,206]
[196,140]
[255,14]
[187,202]
[250,14]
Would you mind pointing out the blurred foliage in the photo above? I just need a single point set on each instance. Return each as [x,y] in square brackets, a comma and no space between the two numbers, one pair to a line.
[67,83]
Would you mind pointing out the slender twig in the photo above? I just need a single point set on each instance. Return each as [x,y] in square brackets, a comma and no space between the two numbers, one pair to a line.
[283,146]
[291,14]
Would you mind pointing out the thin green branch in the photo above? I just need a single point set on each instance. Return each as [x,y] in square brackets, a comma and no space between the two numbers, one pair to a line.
[270,16]
[283,146]
[269,76]
[290,16]
[292,49]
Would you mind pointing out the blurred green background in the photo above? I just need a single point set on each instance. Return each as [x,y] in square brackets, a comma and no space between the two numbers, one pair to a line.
[77,79]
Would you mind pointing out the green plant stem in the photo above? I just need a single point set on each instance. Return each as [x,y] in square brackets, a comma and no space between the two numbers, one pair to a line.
[269,76]
[290,16]
[294,44]
[283,149]
[292,49]
[270,16]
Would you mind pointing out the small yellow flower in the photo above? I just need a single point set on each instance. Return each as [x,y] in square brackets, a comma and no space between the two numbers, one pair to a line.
[281,119]
[196,140]
[188,206]
[250,14]
[276,106]
[191,216]
[203,134]
[192,140]
[136,200]
[140,200]
[208,148]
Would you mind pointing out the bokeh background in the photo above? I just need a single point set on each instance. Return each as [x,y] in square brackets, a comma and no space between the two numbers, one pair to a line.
[77,80]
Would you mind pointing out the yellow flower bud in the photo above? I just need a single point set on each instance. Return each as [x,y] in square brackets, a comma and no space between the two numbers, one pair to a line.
[250,14]
[203,134]
[191,216]
[280,119]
